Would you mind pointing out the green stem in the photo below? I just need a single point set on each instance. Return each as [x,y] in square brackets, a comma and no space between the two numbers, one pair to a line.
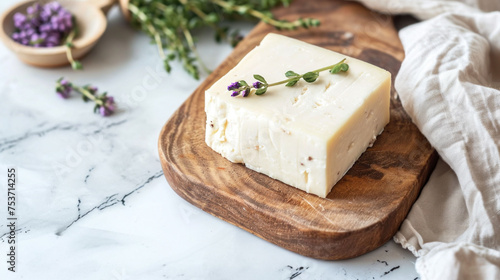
[257,14]
[175,44]
[190,41]
[201,15]
[69,45]
[300,76]
[136,11]
[283,82]
[88,95]
[185,30]
[194,9]
[144,19]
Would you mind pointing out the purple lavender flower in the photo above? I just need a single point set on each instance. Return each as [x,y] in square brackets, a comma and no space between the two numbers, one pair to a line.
[235,93]
[53,6]
[233,86]
[48,23]
[109,106]
[63,88]
[31,9]
[45,15]
[51,38]
[246,92]
[30,32]
[257,84]
[19,20]
[92,89]
[34,9]
[46,27]
[104,112]
[36,40]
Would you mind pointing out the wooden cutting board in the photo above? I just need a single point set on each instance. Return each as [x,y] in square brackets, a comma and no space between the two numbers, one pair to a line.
[364,209]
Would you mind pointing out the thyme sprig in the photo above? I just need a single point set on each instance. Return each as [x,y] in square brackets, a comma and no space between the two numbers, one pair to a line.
[170,24]
[261,85]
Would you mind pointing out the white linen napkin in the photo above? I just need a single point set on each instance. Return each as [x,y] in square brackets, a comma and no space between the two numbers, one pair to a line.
[449,83]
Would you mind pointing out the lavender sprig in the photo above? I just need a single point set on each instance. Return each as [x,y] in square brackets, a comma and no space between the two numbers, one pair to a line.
[261,85]
[104,104]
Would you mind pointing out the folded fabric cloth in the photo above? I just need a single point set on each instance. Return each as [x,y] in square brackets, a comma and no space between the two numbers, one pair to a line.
[449,83]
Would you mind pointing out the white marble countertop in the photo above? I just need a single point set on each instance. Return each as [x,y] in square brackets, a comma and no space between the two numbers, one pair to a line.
[92,201]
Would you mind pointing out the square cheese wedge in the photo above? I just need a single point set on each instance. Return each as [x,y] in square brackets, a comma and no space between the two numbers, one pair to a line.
[308,135]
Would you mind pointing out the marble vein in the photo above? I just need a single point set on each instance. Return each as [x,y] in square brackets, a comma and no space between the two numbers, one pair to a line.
[109,126]
[87,176]
[18,230]
[12,142]
[149,180]
[108,201]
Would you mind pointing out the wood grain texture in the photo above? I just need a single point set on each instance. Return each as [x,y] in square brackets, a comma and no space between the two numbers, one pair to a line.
[364,209]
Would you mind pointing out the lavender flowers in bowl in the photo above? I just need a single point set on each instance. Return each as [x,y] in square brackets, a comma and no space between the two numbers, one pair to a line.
[43,25]
[39,34]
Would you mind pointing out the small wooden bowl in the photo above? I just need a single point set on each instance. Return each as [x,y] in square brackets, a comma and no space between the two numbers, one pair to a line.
[91,21]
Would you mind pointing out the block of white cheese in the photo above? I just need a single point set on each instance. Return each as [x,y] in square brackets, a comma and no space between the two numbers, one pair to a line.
[308,135]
